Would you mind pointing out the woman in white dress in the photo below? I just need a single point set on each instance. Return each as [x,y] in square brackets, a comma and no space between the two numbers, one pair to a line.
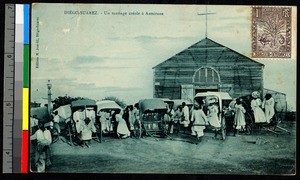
[268,104]
[239,117]
[122,129]
[212,116]
[259,115]
[199,120]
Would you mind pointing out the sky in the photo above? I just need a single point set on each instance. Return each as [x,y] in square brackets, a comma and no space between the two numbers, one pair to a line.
[112,53]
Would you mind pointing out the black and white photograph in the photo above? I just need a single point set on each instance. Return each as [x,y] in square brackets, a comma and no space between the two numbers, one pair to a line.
[163,89]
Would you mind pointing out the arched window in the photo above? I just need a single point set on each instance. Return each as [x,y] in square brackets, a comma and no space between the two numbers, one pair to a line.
[206,75]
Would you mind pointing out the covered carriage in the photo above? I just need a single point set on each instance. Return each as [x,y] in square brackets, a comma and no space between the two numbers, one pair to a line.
[219,100]
[80,110]
[105,109]
[151,113]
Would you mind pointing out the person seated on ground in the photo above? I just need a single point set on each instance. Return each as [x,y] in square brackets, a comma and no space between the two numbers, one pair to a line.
[122,129]
[239,117]
[199,121]
[268,105]
[42,150]
[76,136]
[86,130]
[259,115]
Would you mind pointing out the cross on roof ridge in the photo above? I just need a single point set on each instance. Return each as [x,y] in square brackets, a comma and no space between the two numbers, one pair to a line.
[206,13]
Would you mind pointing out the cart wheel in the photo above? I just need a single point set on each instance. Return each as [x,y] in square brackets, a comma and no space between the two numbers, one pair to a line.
[55,135]
[99,132]
[223,128]
[164,129]
[276,120]
[249,123]
[138,130]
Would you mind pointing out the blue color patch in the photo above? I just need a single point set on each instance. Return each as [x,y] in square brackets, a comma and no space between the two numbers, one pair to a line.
[26,23]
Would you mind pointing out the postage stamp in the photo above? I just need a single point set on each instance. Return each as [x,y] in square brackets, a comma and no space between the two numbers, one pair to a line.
[271,32]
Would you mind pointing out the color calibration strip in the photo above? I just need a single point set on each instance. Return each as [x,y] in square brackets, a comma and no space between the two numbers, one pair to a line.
[16,89]
[20,143]
[25,115]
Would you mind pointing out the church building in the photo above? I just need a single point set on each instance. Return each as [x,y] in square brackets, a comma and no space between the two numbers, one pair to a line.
[207,66]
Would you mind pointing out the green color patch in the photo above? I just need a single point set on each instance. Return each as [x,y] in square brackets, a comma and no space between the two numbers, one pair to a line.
[26,67]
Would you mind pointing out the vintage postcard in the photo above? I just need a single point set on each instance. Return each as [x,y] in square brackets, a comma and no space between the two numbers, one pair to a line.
[164,89]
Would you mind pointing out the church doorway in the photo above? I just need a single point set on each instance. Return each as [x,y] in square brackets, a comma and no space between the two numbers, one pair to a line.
[205,79]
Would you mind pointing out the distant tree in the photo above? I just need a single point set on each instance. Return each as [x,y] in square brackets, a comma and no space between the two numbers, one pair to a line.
[34,104]
[117,100]
[64,100]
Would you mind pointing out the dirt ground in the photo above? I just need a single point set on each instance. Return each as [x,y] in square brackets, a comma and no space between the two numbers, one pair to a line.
[242,154]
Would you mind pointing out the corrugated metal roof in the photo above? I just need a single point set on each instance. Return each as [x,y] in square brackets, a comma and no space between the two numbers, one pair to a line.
[206,50]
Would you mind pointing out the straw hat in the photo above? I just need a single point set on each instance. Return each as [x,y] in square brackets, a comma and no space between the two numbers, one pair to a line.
[255,94]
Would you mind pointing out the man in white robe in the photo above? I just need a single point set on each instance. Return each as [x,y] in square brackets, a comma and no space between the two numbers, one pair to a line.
[268,104]
[186,115]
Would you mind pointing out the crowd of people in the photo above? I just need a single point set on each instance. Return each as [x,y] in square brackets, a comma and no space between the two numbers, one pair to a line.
[124,122]
[263,111]
[207,113]
[121,122]
[195,120]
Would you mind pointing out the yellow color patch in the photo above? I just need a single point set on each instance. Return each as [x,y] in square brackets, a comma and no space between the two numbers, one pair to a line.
[25,109]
